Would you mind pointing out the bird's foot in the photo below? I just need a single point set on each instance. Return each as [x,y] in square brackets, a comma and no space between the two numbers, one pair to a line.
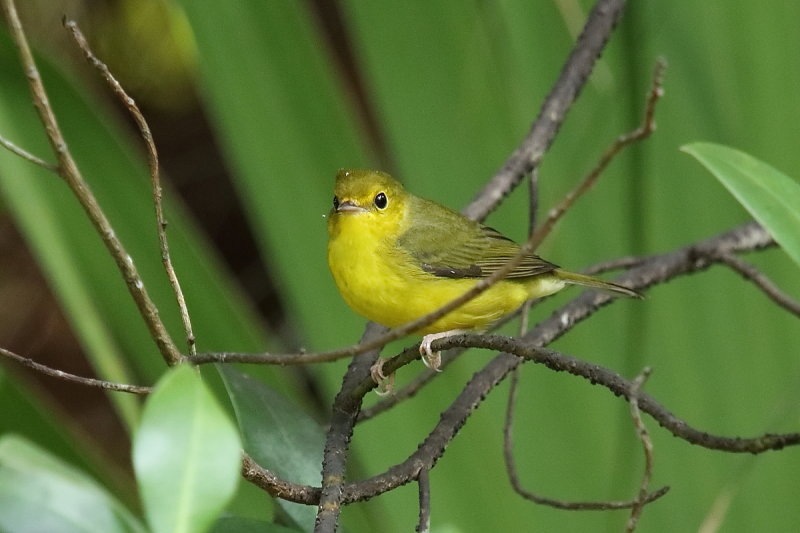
[385,384]
[431,359]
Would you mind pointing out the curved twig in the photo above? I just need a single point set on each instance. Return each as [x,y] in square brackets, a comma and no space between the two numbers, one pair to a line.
[647,447]
[516,484]
[644,130]
[155,180]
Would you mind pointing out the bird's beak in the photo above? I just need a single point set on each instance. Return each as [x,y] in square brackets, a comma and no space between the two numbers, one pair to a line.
[348,206]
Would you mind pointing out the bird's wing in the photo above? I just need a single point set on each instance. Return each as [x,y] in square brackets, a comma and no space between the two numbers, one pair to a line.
[445,244]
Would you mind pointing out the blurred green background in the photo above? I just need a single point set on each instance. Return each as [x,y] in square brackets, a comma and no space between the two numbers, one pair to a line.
[255,104]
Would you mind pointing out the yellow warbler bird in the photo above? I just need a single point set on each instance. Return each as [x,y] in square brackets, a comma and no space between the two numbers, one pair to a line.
[396,257]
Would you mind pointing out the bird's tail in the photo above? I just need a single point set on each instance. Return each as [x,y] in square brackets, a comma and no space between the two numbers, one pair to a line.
[596,283]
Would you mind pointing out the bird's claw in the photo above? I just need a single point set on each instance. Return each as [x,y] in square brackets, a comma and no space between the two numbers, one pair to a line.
[385,384]
[432,360]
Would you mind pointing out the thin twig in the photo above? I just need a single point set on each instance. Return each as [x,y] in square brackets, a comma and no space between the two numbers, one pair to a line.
[66,376]
[516,484]
[13,148]
[69,172]
[642,132]
[751,273]
[423,481]
[155,180]
[600,22]
[647,446]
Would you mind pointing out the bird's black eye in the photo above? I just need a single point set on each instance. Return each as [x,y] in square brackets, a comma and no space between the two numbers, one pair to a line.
[381,200]
[335,203]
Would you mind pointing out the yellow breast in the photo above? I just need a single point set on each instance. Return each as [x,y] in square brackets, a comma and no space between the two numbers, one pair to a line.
[384,284]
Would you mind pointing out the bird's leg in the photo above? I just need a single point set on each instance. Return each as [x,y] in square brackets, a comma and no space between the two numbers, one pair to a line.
[385,384]
[434,360]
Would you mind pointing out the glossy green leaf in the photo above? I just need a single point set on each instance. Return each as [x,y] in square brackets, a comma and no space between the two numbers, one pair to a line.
[772,197]
[39,492]
[278,435]
[186,455]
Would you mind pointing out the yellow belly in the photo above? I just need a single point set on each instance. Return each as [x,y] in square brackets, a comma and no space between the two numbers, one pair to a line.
[384,285]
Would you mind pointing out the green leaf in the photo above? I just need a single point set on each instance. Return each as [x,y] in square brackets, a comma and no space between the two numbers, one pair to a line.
[772,197]
[186,455]
[39,492]
[278,435]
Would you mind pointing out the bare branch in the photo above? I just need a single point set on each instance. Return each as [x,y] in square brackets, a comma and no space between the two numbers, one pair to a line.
[424,524]
[601,21]
[69,172]
[618,385]
[152,161]
[13,148]
[647,446]
[66,376]
[276,487]
[751,273]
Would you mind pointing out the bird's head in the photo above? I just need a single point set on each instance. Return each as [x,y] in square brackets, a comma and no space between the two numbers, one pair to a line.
[367,199]
[361,192]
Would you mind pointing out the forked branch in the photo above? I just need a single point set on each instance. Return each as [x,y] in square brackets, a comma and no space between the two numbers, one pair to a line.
[69,172]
